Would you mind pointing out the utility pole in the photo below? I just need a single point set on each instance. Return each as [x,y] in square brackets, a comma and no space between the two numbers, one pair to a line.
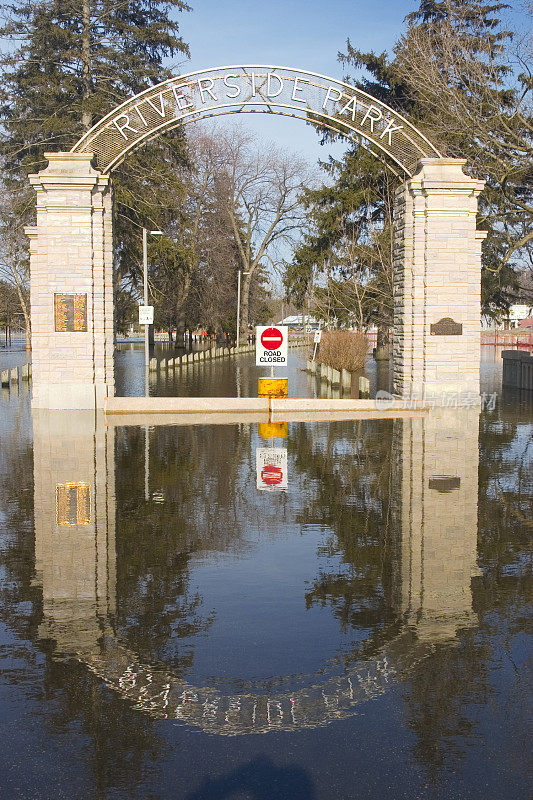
[145,301]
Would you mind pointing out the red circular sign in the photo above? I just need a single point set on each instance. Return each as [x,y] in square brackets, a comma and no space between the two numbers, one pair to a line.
[271,475]
[271,339]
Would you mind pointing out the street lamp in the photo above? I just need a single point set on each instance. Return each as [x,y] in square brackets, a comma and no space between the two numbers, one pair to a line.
[145,300]
[239,303]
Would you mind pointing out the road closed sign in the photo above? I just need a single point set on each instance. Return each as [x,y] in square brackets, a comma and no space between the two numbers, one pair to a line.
[271,467]
[271,345]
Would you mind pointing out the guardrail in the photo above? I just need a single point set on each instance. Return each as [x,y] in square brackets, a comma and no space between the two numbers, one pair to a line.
[12,378]
[341,378]
[201,356]
[517,337]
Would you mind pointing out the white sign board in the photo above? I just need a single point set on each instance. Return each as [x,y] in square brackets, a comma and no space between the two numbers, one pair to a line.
[318,337]
[271,467]
[271,345]
[146,315]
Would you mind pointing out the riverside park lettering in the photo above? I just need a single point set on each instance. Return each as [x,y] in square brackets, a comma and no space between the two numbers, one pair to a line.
[247,89]
[252,87]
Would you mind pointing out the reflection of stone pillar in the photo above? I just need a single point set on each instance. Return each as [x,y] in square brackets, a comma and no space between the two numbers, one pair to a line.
[74,479]
[437,281]
[436,490]
[71,260]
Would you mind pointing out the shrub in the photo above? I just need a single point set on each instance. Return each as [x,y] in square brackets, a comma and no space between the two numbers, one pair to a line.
[343,350]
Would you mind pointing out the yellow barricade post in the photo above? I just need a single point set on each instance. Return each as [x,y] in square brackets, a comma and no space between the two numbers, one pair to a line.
[273,387]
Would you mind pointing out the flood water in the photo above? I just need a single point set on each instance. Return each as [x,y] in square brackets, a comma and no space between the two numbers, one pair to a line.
[172,628]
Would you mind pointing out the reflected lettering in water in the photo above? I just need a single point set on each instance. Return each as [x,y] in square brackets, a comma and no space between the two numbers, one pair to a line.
[141,592]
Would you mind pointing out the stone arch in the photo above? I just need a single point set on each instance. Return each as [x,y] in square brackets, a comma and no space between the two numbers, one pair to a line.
[437,261]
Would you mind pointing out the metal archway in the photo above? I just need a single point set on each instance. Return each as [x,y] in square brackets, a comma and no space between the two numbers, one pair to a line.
[314,98]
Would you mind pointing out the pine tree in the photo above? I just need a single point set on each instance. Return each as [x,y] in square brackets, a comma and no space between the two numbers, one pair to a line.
[74,63]
[453,75]
[348,249]
[69,63]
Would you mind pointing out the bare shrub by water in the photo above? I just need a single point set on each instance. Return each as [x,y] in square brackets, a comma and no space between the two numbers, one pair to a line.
[343,350]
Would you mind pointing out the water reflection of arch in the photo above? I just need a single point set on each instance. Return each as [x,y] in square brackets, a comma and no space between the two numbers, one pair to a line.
[435,464]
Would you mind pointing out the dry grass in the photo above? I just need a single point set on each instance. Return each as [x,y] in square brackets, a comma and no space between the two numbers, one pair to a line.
[343,350]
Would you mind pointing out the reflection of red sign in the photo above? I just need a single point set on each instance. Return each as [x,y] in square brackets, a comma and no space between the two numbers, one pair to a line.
[271,339]
[271,475]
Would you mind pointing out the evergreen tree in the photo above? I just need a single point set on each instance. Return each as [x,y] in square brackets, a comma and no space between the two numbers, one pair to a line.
[349,247]
[469,79]
[467,83]
[66,65]
[75,61]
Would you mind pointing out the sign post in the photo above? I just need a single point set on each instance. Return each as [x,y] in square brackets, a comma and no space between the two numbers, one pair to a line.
[317,338]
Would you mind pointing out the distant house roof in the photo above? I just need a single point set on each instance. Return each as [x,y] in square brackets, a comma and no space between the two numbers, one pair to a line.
[526,323]
[518,311]
[298,319]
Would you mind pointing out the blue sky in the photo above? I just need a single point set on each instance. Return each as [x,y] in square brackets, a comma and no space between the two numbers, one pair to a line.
[291,33]
[294,33]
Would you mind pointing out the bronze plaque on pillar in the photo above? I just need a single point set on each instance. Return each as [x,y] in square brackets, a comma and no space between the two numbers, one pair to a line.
[446,327]
[70,312]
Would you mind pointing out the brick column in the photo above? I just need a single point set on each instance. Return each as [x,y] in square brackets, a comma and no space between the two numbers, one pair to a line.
[437,282]
[71,253]
[435,511]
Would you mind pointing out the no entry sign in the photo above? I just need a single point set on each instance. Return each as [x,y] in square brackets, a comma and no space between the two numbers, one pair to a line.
[272,338]
[271,468]
[271,345]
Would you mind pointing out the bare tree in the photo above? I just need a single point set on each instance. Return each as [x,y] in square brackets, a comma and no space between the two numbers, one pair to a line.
[259,187]
[14,261]
[471,83]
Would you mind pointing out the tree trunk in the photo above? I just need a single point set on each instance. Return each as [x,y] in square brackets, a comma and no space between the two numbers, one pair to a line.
[245,303]
[27,320]
[86,117]
[382,349]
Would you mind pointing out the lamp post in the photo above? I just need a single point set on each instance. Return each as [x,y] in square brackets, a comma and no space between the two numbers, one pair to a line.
[146,360]
[239,303]
[145,300]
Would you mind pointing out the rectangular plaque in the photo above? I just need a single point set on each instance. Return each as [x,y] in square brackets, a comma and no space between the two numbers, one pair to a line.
[70,312]
[73,504]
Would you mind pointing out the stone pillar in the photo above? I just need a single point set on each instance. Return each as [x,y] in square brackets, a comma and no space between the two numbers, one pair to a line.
[74,505]
[435,510]
[71,263]
[437,282]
